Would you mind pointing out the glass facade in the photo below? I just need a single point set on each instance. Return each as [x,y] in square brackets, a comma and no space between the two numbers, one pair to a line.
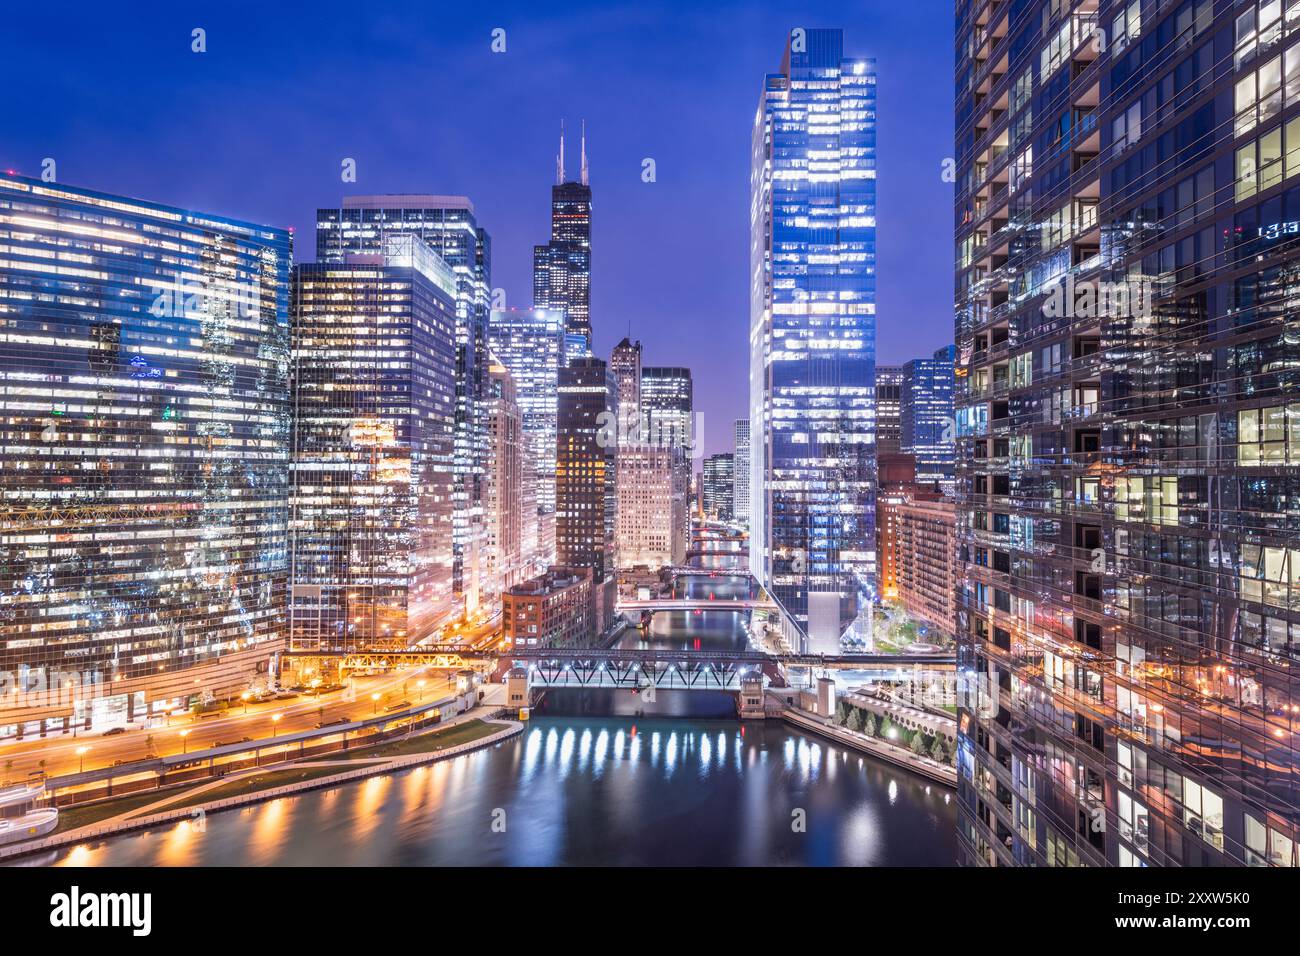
[740,472]
[562,267]
[530,342]
[447,225]
[927,429]
[372,476]
[144,441]
[812,336]
[716,487]
[1127,349]
[889,395]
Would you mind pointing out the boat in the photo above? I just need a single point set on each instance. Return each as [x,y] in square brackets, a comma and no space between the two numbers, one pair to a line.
[26,813]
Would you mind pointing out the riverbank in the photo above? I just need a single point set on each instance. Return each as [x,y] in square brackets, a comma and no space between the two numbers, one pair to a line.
[923,766]
[188,803]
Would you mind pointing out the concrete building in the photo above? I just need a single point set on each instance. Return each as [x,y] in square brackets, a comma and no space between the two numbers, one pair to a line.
[554,609]
[652,506]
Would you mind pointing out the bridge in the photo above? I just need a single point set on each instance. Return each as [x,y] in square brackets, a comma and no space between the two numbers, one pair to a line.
[633,669]
[696,604]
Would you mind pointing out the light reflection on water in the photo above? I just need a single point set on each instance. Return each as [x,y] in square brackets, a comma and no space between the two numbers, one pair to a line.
[620,791]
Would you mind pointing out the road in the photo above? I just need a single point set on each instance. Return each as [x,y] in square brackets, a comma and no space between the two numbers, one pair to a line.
[58,755]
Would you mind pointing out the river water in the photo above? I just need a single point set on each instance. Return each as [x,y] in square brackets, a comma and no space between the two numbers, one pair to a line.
[598,777]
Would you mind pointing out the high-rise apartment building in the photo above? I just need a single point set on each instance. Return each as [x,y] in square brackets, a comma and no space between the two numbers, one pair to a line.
[1128,600]
[144,444]
[585,478]
[374,342]
[889,397]
[918,541]
[530,343]
[717,486]
[926,424]
[562,267]
[740,472]
[812,337]
[447,225]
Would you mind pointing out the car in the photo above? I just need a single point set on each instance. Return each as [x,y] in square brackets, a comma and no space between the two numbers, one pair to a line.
[230,743]
[114,731]
[332,723]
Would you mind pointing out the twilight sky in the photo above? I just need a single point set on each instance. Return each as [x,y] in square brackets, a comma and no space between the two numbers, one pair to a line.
[258,125]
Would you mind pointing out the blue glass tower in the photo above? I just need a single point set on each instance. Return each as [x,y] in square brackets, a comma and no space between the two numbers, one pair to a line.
[925,418]
[812,336]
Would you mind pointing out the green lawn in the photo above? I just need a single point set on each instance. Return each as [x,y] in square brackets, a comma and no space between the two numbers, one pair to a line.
[72,817]
[260,781]
[425,743]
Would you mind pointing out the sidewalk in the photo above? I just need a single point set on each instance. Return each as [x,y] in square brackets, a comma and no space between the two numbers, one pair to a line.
[924,766]
[140,817]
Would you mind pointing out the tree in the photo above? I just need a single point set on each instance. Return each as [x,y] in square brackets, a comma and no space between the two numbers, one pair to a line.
[886,725]
[937,752]
[918,743]
[869,727]
[842,712]
[854,722]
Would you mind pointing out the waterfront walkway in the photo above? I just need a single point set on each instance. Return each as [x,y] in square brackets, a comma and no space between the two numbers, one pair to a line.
[924,766]
[137,816]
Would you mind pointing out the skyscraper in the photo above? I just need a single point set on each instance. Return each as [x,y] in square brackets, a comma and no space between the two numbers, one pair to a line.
[740,473]
[812,336]
[668,420]
[530,343]
[1127,349]
[506,562]
[585,489]
[653,509]
[446,224]
[926,425]
[625,363]
[144,444]
[889,396]
[717,486]
[372,471]
[562,267]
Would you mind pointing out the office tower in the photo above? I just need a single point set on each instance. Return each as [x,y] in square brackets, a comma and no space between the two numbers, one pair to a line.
[927,427]
[717,486]
[508,462]
[530,342]
[889,396]
[812,337]
[447,225]
[652,506]
[740,473]
[562,267]
[625,363]
[374,440]
[668,419]
[144,441]
[1126,355]
[585,490]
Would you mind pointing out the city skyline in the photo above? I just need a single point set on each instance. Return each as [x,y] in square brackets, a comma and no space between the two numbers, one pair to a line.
[280,175]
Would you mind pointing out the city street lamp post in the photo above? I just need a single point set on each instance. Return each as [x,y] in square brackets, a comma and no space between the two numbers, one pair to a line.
[184,742]
[81,755]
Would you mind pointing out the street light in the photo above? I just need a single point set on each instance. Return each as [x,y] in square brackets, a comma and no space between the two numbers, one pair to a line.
[184,743]
[420,684]
[81,753]
[374,700]
[244,697]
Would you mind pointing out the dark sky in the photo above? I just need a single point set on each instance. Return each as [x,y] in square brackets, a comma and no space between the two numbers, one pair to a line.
[258,125]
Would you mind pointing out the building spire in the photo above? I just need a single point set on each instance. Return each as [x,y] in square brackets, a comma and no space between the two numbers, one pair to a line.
[559,161]
[584,153]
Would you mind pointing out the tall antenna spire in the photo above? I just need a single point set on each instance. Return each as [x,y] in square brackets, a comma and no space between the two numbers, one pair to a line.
[584,153]
[559,162]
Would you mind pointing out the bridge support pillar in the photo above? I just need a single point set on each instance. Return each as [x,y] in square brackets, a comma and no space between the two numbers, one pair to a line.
[750,700]
[518,691]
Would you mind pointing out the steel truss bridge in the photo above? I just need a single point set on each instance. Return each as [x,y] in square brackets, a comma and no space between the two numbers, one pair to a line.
[697,604]
[664,670]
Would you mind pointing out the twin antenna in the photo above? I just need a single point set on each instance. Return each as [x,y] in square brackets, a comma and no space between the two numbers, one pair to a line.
[559,160]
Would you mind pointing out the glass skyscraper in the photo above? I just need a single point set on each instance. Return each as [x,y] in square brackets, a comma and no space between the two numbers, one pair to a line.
[1128,433]
[740,472]
[530,342]
[144,442]
[562,267]
[447,225]
[812,336]
[927,430]
[372,476]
